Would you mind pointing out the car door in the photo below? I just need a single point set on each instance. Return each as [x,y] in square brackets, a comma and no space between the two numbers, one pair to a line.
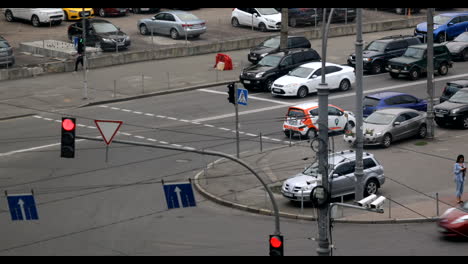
[409,101]
[21,13]
[396,49]
[245,16]
[168,23]
[333,76]
[314,80]
[336,119]
[454,27]
[400,129]
[285,66]
[156,23]
[92,38]
[342,178]
[412,125]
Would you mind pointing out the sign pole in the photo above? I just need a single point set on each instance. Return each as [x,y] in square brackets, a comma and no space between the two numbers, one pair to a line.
[236,106]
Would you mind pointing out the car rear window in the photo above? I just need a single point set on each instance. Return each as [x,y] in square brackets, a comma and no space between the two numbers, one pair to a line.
[370,101]
[294,112]
[452,89]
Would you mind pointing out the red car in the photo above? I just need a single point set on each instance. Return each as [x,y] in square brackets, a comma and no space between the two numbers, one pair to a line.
[454,222]
[102,12]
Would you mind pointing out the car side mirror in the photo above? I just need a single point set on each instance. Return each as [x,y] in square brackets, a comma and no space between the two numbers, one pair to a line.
[396,123]
[314,76]
[335,175]
[450,24]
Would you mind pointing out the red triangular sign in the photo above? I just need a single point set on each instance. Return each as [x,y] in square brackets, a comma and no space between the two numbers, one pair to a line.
[108,129]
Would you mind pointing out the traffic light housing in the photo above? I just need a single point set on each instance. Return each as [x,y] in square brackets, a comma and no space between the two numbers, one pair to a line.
[67,147]
[231,93]
[276,245]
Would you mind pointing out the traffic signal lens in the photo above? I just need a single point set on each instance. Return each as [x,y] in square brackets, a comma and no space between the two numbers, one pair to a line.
[275,242]
[68,124]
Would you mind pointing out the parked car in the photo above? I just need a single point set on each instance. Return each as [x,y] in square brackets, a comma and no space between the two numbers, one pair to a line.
[459,47]
[37,16]
[454,111]
[340,14]
[173,23]
[451,88]
[378,52]
[275,65]
[454,221]
[447,26]
[341,177]
[374,102]
[100,33]
[103,12]
[305,79]
[302,16]
[262,18]
[402,11]
[302,119]
[388,125]
[414,62]
[272,45]
[145,10]
[78,13]
[6,53]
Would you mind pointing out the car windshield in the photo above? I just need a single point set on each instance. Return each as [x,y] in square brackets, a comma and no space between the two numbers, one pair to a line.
[267,11]
[441,20]
[187,17]
[104,27]
[301,72]
[270,61]
[462,37]
[376,46]
[271,43]
[296,113]
[312,170]
[414,53]
[460,97]
[379,118]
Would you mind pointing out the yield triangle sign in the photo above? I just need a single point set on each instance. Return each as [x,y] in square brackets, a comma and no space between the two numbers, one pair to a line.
[108,129]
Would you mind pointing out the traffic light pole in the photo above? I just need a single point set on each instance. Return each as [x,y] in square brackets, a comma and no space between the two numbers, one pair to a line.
[209,153]
[430,74]
[236,107]
[85,60]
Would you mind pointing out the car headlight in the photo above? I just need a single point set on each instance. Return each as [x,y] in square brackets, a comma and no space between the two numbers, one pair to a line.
[454,111]
[367,59]
[378,134]
[270,20]
[106,40]
[259,75]
[292,85]
[263,55]
[460,220]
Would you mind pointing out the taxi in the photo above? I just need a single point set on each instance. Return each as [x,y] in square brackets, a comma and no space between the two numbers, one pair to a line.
[302,119]
[76,13]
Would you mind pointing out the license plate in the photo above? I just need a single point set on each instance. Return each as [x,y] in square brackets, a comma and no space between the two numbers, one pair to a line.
[288,194]
[276,90]
[439,115]
[395,71]
[247,81]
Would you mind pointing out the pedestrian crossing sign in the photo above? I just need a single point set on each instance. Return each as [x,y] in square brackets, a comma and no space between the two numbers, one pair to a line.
[242,96]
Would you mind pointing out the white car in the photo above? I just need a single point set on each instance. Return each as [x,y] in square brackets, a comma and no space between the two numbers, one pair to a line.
[306,78]
[37,16]
[262,18]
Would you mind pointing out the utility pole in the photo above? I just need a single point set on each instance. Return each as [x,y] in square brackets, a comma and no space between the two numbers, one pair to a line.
[284,28]
[323,91]
[359,166]
[236,107]
[85,60]
[430,74]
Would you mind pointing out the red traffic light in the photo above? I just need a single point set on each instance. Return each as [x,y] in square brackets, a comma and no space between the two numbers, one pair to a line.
[68,124]
[275,242]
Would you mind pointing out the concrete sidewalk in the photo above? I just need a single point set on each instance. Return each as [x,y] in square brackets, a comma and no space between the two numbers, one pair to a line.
[229,184]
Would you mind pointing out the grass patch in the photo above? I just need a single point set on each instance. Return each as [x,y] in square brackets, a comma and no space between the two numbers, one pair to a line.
[421,143]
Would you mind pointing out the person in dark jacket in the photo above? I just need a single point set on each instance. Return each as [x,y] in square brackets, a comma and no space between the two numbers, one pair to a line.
[80,48]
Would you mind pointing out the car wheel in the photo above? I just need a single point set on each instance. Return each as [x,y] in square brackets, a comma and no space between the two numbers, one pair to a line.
[268,84]
[9,16]
[387,140]
[344,85]
[311,133]
[376,67]
[441,37]
[422,132]
[443,69]
[35,21]
[465,122]
[262,27]
[174,33]
[302,92]
[144,29]
[414,74]
[235,22]
[288,133]
[371,187]
[102,13]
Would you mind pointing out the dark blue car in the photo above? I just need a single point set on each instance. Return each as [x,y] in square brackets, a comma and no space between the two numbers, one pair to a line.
[377,101]
[446,26]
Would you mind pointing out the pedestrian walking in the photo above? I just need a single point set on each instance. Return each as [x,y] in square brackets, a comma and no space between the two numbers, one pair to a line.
[459,171]
[80,53]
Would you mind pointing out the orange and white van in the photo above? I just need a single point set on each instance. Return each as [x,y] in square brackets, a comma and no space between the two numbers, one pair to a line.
[302,119]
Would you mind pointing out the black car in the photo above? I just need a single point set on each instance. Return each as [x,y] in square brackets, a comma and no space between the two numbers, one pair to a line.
[454,111]
[302,16]
[339,14]
[6,53]
[272,45]
[378,52]
[451,88]
[100,33]
[275,65]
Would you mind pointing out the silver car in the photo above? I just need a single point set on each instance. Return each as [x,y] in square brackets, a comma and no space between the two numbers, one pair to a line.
[341,177]
[459,46]
[391,124]
[173,23]
[6,53]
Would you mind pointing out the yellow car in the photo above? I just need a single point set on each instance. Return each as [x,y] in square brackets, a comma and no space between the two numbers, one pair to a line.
[75,13]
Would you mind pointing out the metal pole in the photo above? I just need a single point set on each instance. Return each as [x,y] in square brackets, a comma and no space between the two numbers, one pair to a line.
[236,106]
[210,153]
[284,28]
[359,171]
[323,91]
[437,205]
[430,74]
[85,60]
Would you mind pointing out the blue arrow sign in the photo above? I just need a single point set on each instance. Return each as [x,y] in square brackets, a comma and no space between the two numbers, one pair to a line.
[22,207]
[179,195]
[242,96]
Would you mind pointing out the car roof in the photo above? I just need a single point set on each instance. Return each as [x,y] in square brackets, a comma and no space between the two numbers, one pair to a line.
[175,12]
[315,64]
[462,82]
[424,46]
[289,51]
[306,105]
[454,14]
[345,155]
[397,110]
[384,95]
